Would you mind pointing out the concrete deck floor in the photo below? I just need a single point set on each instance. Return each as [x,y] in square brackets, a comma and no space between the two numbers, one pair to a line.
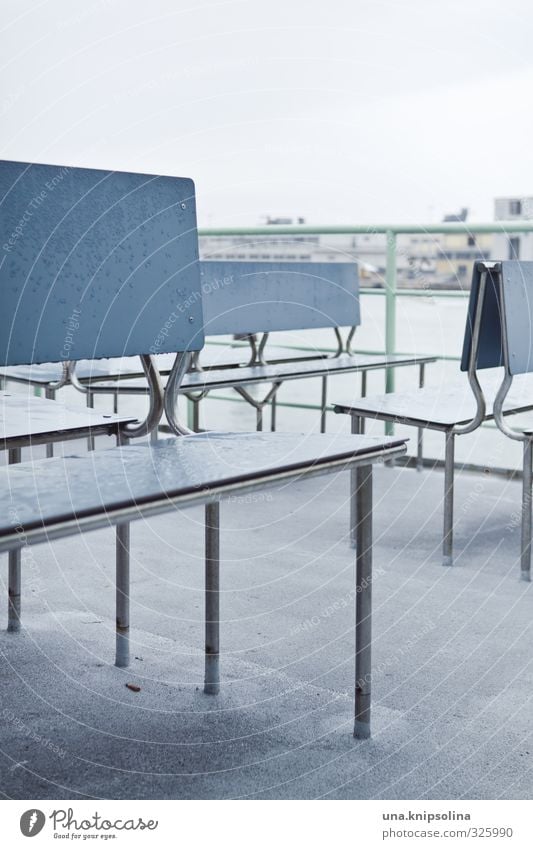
[453,651]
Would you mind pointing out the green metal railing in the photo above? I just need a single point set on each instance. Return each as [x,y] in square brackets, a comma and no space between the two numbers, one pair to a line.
[390,232]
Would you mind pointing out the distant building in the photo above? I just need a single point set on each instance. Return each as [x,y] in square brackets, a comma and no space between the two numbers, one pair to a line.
[513,245]
[304,248]
[424,260]
[415,254]
[459,251]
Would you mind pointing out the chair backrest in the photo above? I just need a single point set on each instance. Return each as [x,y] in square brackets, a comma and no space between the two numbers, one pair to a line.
[261,297]
[506,331]
[96,264]
[490,348]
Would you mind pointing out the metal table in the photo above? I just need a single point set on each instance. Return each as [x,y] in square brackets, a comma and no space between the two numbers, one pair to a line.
[56,498]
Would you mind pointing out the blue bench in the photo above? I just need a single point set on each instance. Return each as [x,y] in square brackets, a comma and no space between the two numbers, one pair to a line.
[251,298]
[248,299]
[461,407]
[122,250]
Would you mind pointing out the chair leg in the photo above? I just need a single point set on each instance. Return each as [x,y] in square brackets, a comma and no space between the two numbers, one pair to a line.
[363,604]
[356,428]
[525,555]
[212,598]
[447,540]
[14,577]
[122,656]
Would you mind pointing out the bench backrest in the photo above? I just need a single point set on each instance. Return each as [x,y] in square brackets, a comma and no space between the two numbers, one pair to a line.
[261,297]
[96,264]
[506,330]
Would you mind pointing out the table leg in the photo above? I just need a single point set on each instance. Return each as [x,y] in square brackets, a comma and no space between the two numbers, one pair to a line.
[90,439]
[122,656]
[525,556]
[449,458]
[212,598]
[363,604]
[51,395]
[273,411]
[196,416]
[14,578]
[323,404]
[356,428]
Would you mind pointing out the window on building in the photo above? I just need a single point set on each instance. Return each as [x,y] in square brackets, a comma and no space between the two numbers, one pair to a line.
[515,207]
[514,247]
[462,270]
[471,241]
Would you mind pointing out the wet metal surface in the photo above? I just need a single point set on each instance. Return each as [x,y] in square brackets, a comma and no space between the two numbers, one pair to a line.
[220,378]
[55,492]
[439,408]
[261,297]
[24,418]
[96,263]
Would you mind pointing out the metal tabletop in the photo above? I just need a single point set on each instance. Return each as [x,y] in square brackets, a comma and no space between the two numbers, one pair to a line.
[28,420]
[59,497]
[42,374]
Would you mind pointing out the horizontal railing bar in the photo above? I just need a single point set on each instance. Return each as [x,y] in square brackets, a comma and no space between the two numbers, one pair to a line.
[417,293]
[368,229]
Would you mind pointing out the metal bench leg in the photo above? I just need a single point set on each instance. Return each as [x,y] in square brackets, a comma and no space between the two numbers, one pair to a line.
[356,428]
[420,434]
[50,394]
[447,540]
[122,657]
[14,577]
[14,592]
[212,598]
[273,410]
[363,605]
[525,556]
[323,404]
[196,416]
[90,439]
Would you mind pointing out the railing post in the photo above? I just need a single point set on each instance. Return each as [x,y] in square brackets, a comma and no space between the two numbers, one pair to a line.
[390,315]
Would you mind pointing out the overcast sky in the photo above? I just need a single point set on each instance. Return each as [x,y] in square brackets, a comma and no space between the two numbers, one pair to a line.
[337,110]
